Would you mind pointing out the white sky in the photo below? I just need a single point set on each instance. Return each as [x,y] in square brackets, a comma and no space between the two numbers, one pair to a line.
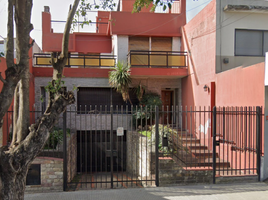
[59,10]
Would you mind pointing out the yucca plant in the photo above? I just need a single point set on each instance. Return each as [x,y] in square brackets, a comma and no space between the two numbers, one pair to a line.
[119,79]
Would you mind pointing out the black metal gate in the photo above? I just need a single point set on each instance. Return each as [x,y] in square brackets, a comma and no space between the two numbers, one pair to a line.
[236,141]
[119,147]
[110,152]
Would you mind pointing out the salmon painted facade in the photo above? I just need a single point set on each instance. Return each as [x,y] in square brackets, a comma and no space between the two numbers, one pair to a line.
[216,59]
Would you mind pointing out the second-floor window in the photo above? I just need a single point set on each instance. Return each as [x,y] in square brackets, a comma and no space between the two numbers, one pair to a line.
[251,42]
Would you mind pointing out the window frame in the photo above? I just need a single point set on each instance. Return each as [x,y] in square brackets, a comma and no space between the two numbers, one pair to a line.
[262,48]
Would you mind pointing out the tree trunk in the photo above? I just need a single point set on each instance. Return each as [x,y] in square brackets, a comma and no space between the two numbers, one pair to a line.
[27,142]
[13,184]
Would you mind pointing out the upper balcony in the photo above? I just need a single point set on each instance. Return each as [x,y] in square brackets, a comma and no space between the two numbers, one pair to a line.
[78,60]
[157,59]
[158,64]
[153,64]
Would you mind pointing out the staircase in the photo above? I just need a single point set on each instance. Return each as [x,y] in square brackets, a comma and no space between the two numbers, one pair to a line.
[192,153]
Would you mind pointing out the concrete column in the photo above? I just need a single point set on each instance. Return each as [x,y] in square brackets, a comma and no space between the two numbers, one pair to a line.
[264,160]
[122,48]
[176,44]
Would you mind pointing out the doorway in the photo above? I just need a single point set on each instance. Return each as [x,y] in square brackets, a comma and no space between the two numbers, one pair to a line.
[167,102]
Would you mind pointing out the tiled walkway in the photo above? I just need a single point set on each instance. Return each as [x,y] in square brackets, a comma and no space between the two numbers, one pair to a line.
[242,191]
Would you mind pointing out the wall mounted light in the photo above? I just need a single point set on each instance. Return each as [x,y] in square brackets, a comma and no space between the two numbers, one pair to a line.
[225,60]
[205,88]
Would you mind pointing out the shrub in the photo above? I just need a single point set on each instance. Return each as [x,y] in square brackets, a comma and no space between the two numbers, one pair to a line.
[143,112]
[55,138]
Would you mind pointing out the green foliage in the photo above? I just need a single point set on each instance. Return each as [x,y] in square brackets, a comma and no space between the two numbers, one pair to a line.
[55,138]
[147,104]
[85,6]
[140,90]
[119,79]
[151,100]
[139,4]
[164,131]
[54,86]
[75,88]
[1,55]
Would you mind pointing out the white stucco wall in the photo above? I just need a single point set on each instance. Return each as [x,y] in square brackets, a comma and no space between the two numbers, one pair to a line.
[120,47]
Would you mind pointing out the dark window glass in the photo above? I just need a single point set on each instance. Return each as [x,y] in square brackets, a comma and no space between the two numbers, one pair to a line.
[251,42]
[97,97]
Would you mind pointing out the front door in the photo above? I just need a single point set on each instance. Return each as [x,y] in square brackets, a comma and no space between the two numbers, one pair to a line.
[167,96]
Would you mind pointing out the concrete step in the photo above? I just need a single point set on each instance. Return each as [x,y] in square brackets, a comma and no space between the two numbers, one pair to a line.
[190,141]
[197,146]
[203,153]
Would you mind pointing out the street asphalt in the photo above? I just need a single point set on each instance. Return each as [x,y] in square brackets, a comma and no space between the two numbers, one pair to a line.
[237,191]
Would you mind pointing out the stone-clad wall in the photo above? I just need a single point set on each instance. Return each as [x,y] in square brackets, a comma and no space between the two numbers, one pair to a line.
[172,173]
[51,174]
[139,160]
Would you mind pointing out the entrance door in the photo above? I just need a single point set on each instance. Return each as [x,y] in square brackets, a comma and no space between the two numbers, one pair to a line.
[167,96]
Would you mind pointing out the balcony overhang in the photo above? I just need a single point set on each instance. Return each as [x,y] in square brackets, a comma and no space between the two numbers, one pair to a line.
[157,64]
[168,73]
[246,8]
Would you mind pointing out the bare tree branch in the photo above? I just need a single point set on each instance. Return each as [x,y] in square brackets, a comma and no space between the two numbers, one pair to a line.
[1,78]
[65,39]
[10,35]
[32,43]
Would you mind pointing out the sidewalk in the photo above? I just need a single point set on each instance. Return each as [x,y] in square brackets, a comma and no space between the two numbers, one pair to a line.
[241,191]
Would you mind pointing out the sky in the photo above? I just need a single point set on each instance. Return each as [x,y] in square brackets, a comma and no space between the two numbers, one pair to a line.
[59,11]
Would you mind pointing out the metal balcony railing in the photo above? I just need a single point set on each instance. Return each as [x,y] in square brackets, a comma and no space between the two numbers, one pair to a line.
[78,60]
[160,59]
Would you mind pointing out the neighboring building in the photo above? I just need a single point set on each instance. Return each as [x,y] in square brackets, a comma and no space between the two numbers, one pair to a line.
[227,41]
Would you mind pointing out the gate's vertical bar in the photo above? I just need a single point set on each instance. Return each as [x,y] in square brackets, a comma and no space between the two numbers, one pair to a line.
[156,146]
[94,115]
[111,146]
[246,137]
[86,144]
[64,153]
[258,139]
[214,144]
[224,139]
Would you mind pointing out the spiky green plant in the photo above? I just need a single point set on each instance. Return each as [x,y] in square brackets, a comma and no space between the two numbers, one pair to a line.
[119,79]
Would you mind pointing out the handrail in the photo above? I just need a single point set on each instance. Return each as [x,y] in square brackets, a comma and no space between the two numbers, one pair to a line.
[80,60]
[166,59]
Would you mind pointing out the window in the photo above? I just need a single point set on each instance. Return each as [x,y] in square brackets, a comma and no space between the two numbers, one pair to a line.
[87,97]
[251,42]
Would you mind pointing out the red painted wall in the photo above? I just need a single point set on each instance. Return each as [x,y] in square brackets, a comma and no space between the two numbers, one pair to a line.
[156,24]
[104,73]
[78,42]
[201,38]
[237,87]
[7,119]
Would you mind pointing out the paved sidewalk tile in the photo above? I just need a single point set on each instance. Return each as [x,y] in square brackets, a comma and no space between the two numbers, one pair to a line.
[248,191]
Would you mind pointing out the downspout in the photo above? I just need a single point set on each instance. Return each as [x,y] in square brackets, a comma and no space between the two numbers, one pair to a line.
[190,55]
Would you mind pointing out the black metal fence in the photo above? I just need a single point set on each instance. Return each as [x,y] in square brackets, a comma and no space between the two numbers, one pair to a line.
[237,139]
[120,147]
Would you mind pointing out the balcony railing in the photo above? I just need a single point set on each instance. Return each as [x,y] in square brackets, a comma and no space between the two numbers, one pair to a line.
[78,60]
[160,59]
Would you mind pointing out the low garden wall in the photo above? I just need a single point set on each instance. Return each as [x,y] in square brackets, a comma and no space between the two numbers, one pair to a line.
[51,171]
